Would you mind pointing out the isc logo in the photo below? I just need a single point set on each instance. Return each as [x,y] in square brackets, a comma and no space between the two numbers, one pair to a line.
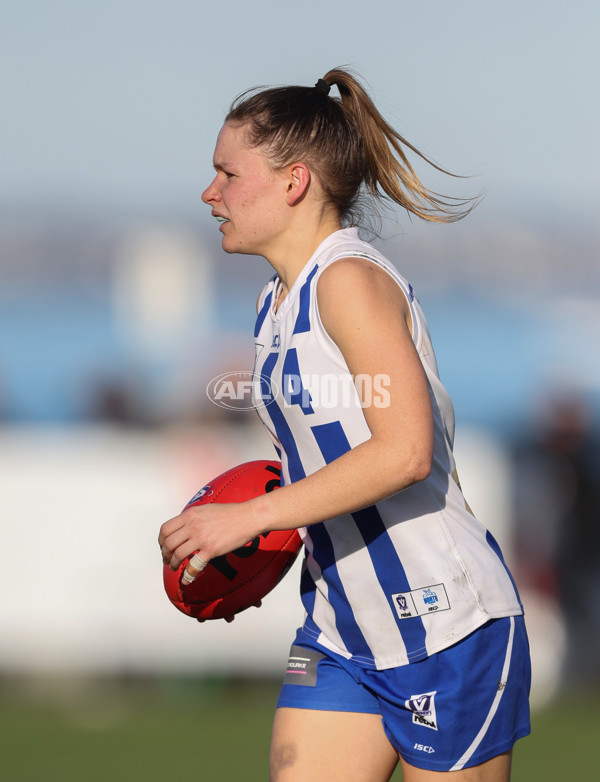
[424,748]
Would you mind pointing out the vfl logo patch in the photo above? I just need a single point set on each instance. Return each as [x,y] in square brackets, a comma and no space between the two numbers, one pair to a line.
[420,602]
[423,709]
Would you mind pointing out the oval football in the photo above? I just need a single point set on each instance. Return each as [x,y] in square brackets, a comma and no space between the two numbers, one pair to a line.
[233,582]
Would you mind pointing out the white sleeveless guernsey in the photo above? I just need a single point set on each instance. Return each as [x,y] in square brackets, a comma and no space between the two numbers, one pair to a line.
[413,574]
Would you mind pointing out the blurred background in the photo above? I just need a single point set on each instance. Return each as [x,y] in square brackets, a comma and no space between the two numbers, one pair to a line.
[117,306]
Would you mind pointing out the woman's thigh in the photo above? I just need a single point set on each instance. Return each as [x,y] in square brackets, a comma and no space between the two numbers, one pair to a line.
[330,746]
[496,769]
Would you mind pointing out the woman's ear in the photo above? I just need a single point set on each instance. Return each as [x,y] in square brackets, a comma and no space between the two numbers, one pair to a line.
[298,182]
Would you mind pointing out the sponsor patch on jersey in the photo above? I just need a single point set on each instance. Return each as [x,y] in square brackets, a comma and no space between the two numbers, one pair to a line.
[420,602]
[423,709]
[302,666]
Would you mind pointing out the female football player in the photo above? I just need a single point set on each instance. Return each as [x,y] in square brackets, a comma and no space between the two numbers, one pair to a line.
[413,648]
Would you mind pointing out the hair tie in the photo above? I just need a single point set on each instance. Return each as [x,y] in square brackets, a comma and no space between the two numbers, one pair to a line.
[323,87]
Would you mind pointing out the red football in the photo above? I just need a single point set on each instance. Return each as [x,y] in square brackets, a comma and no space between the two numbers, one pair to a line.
[238,580]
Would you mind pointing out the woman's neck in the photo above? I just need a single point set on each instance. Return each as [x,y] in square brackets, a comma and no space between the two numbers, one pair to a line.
[292,256]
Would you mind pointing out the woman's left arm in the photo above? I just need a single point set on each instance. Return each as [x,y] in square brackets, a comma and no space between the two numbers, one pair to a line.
[366,314]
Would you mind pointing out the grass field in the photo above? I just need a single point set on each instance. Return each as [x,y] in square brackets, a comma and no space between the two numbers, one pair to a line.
[213,731]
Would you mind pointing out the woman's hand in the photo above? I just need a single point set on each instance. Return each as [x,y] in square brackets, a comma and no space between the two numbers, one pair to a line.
[211,530]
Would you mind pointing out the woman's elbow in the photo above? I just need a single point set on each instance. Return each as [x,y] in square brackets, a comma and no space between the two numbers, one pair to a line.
[405,466]
[420,469]
[407,471]
[419,463]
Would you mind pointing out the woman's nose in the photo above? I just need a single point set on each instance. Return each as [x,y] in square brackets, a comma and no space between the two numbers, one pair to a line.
[211,193]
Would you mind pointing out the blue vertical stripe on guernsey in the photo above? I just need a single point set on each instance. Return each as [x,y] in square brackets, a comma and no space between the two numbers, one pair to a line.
[303,320]
[493,543]
[294,392]
[348,629]
[332,443]
[331,439]
[307,588]
[260,318]
[282,429]
[392,577]
[390,573]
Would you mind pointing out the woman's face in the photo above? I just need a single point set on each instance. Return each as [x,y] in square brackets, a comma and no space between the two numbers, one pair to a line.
[247,196]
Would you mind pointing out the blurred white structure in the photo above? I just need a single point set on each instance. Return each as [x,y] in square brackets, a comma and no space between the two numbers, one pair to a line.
[82,585]
[163,289]
[82,574]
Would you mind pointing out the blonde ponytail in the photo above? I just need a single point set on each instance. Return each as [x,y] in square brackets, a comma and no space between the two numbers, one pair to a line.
[351,148]
[389,170]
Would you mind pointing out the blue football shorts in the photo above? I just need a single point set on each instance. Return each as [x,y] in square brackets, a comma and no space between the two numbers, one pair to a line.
[455,709]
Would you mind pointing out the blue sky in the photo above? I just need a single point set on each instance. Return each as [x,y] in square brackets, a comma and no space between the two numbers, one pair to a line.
[119,102]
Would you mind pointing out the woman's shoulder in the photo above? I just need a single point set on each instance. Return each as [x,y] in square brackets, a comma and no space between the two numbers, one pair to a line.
[347,254]
[345,243]
[355,282]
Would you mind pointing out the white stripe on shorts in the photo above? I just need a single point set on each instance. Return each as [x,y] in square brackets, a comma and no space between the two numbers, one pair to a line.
[494,708]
